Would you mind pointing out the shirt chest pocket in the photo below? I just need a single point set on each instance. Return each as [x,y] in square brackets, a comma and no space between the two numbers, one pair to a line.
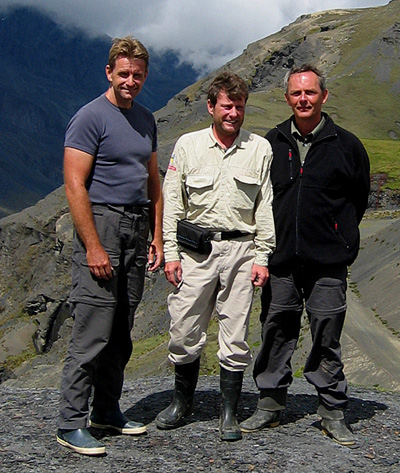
[246,192]
[199,188]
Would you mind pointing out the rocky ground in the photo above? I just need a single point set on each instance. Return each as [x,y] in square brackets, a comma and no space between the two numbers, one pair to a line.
[28,426]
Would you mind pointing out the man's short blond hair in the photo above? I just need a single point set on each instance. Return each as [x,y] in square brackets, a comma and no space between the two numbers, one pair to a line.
[127,47]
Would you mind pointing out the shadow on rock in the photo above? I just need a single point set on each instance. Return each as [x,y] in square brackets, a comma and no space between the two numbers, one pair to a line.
[207,407]
[360,409]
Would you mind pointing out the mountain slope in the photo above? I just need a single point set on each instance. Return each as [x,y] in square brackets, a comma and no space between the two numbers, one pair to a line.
[35,244]
[357,49]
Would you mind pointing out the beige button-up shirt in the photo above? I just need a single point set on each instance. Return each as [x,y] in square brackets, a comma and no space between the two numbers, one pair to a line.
[220,189]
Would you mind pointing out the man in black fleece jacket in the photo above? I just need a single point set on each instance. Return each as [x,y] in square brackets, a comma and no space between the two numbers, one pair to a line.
[320,178]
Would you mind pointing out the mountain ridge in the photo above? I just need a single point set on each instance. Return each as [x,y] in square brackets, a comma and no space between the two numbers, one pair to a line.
[336,41]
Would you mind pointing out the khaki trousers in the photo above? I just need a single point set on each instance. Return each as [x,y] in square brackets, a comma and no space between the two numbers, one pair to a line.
[220,280]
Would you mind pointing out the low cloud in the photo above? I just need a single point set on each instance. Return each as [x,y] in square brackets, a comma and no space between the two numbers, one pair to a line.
[205,33]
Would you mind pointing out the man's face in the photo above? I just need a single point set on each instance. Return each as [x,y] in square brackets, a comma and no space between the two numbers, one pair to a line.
[228,115]
[305,96]
[126,80]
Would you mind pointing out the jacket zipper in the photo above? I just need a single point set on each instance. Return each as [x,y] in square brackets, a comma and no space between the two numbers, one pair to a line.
[340,235]
[297,208]
[301,175]
[290,164]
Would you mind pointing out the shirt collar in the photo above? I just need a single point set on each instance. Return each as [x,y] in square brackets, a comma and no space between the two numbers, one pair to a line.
[237,143]
[311,136]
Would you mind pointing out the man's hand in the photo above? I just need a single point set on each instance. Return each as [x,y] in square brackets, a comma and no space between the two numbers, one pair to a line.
[173,272]
[156,255]
[99,263]
[259,275]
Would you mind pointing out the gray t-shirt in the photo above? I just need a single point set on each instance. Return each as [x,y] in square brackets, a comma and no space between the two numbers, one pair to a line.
[121,140]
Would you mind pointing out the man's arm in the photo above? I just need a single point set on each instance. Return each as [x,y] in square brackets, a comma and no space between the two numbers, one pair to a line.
[77,168]
[174,210]
[265,229]
[156,208]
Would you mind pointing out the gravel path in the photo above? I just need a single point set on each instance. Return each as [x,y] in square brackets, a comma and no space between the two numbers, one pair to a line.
[28,425]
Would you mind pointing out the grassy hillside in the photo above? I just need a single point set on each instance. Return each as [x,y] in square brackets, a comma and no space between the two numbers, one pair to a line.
[384,157]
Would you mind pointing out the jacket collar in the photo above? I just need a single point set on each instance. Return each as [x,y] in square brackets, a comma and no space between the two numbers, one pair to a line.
[328,130]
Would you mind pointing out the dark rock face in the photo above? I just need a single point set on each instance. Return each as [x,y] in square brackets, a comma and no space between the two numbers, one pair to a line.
[34,270]
[28,419]
[380,197]
[35,265]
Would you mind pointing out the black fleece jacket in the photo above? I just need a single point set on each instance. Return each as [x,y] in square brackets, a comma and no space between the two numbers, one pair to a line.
[318,206]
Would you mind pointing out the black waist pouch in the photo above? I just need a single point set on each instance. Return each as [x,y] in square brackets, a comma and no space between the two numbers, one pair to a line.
[193,237]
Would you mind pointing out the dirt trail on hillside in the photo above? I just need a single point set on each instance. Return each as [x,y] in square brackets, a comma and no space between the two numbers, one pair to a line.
[370,348]
[370,345]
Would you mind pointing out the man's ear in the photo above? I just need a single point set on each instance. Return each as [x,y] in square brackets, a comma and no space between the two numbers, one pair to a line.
[287,99]
[108,72]
[210,107]
[325,96]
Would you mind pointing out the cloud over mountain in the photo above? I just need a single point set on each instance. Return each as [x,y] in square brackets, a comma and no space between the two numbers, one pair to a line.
[206,34]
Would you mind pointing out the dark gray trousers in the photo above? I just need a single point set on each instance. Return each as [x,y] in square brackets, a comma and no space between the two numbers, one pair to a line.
[103,313]
[323,290]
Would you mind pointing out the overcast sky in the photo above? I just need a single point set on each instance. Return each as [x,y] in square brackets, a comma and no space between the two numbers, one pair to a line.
[206,33]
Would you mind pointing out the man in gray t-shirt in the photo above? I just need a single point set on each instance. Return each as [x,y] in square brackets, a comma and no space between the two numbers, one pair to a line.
[113,190]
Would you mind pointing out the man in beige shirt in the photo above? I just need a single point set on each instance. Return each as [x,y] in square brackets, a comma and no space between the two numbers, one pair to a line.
[218,178]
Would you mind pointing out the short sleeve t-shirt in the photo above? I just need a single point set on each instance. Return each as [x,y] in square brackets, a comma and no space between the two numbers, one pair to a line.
[121,140]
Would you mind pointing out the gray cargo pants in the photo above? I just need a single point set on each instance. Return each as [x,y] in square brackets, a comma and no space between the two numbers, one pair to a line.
[103,313]
[323,289]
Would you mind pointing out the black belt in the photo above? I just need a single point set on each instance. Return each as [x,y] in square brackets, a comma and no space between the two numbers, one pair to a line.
[219,236]
[136,209]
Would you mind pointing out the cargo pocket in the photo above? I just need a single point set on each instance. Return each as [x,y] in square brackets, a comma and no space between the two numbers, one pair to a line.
[88,289]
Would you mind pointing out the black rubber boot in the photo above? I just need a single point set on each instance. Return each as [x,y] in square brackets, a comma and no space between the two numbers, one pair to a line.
[268,412]
[261,419]
[186,377]
[231,387]
[334,425]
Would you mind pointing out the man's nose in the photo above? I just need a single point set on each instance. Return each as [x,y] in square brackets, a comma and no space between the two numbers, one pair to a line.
[130,81]
[303,96]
